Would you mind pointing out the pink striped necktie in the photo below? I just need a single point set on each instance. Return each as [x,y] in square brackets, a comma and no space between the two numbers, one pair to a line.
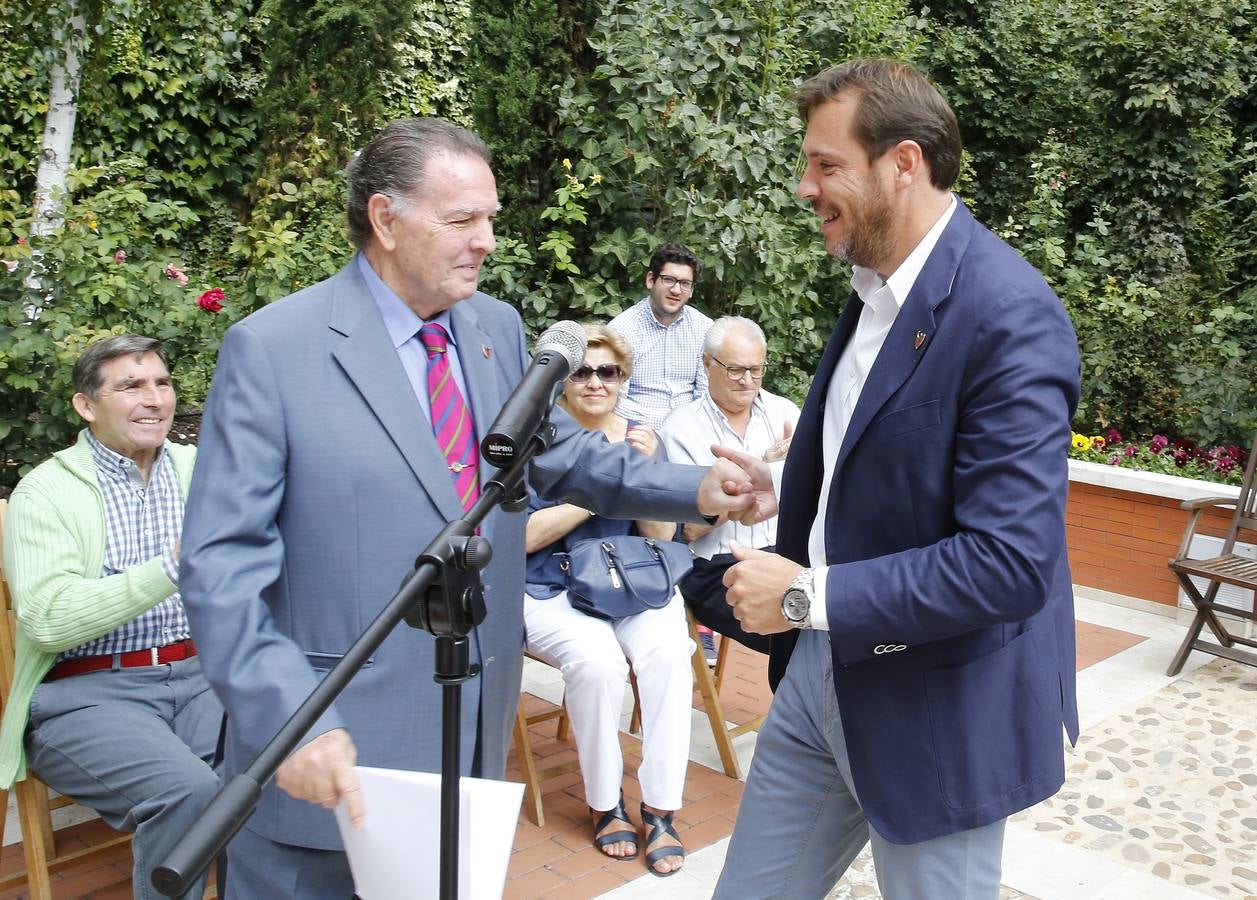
[451,420]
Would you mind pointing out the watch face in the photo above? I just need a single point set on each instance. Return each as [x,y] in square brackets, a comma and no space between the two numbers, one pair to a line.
[794,606]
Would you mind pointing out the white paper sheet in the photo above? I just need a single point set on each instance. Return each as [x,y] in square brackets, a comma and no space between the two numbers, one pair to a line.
[396,854]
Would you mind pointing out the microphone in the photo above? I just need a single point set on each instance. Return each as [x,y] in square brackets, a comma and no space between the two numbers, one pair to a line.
[560,349]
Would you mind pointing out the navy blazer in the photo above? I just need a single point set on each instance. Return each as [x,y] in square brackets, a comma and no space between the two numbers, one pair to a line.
[948,594]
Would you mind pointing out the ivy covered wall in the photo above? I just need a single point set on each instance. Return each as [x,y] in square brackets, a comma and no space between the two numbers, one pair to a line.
[1114,142]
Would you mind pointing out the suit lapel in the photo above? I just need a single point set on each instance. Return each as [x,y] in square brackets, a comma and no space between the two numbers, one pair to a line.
[369,360]
[911,335]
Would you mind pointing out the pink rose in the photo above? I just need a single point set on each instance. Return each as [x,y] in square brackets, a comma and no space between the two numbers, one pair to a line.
[211,301]
[173,271]
[120,256]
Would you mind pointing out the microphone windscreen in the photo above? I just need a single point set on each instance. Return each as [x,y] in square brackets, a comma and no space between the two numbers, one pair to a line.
[565,338]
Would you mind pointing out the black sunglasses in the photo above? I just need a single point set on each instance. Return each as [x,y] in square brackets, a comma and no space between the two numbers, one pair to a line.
[608,373]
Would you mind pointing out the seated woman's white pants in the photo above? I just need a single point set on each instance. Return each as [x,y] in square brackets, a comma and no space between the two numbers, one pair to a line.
[591,655]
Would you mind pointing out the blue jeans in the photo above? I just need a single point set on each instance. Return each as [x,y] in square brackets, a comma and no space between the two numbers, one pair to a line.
[136,745]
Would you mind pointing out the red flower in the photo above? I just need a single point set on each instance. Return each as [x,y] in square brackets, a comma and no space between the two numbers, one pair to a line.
[120,256]
[1113,436]
[212,300]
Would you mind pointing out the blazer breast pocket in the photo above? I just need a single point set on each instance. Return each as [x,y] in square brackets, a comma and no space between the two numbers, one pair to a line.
[323,662]
[910,418]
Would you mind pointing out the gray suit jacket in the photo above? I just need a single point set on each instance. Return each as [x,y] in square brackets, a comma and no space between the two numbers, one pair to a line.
[318,483]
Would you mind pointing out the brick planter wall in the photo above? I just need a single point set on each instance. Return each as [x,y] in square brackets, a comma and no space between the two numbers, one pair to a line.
[1124,526]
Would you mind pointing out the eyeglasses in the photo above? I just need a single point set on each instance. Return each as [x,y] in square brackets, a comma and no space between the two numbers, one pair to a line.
[608,373]
[736,372]
[683,283]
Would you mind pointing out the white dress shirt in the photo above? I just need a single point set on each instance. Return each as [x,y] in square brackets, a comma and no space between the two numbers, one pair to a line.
[882,302]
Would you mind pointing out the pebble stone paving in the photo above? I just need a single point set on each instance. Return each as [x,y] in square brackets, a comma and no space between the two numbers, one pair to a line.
[1170,786]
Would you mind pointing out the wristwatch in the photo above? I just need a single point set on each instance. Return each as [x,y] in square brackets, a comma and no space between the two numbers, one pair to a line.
[796,602]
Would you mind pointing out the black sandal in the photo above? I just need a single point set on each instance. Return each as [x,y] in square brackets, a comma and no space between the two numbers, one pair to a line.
[659,826]
[619,814]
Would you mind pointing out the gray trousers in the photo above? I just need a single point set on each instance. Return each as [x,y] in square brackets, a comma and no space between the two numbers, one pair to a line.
[800,823]
[136,745]
[260,869]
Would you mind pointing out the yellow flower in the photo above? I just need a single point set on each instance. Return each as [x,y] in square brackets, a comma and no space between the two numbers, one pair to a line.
[567,164]
[1098,442]
[1081,442]
[596,179]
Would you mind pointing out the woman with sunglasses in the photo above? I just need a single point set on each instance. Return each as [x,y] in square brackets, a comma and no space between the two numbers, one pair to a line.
[594,654]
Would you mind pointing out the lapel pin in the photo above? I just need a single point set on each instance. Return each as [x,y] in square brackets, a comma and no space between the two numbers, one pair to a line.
[916,345]
[487,351]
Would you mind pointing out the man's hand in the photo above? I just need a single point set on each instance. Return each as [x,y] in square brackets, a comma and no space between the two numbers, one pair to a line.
[323,772]
[725,490]
[764,503]
[781,447]
[756,583]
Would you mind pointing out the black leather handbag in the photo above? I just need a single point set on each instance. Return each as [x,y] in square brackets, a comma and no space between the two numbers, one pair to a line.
[615,577]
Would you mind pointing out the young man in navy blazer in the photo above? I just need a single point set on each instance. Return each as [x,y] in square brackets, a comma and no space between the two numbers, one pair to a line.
[920,599]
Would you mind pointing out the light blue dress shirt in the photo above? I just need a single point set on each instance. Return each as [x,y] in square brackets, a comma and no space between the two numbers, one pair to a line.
[403,329]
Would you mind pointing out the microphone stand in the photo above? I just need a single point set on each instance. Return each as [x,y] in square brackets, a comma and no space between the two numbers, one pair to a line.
[443,596]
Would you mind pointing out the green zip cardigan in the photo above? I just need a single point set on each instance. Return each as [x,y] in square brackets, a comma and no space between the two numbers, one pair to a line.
[54,548]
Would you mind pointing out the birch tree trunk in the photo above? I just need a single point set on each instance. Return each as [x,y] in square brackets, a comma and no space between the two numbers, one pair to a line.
[54,157]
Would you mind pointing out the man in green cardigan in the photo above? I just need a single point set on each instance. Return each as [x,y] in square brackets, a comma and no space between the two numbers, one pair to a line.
[109,704]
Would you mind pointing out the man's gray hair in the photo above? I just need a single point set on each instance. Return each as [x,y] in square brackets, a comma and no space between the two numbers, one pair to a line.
[720,329]
[395,164]
[87,375]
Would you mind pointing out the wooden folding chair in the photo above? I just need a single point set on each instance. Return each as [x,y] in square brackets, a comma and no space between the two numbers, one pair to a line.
[535,777]
[39,842]
[1225,568]
[39,845]
[708,684]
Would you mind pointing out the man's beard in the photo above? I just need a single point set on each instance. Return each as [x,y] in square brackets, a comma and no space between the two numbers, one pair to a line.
[870,240]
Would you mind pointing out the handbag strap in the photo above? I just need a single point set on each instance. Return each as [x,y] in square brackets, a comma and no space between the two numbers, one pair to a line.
[614,561]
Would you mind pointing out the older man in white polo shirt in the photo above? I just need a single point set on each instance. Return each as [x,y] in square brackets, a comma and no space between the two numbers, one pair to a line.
[735,412]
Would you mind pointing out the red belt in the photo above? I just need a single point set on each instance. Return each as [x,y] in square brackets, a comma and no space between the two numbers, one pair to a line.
[154,656]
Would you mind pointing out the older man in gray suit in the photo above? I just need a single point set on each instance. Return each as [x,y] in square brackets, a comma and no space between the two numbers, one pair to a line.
[320,478]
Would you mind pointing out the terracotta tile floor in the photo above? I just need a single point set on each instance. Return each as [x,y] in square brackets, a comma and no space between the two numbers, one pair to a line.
[558,861]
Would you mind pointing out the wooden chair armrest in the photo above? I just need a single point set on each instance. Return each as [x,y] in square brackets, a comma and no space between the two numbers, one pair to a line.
[1206,502]
[1197,507]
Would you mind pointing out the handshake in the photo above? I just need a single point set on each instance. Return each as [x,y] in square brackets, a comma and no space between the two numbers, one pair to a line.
[738,486]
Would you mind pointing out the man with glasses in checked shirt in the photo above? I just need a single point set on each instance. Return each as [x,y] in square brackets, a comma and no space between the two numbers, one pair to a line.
[666,335]
[109,704]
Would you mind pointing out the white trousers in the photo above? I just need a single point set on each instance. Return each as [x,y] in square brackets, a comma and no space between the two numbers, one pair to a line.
[594,656]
